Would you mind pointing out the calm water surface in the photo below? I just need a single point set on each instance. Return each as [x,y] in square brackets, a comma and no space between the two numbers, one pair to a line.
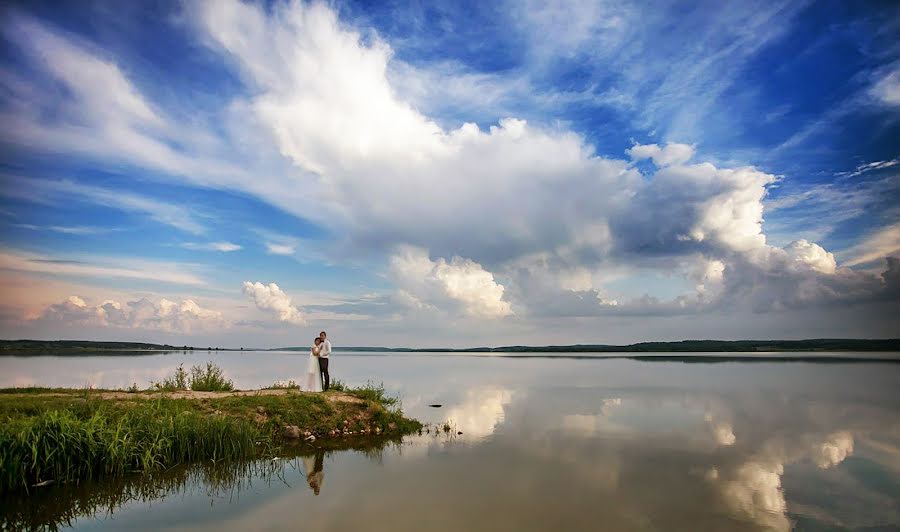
[547,444]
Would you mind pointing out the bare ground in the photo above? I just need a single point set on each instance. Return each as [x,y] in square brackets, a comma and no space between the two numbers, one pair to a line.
[333,397]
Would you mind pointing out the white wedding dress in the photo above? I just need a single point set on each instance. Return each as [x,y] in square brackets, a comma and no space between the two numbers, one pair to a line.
[312,380]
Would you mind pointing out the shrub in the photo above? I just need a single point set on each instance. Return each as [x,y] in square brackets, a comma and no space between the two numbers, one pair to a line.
[178,381]
[200,379]
[210,379]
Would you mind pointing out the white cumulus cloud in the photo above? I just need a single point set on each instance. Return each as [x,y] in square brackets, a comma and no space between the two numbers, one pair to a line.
[723,432]
[460,280]
[162,314]
[355,157]
[755,491]
[271,298]
[480,411]
[812,255]
[671,154]
[833,450]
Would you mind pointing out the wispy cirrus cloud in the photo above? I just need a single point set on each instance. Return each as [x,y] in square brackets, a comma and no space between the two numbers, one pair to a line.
[877,90]
[621,57]
[882,243]
[55,192]
[870,167]
[224,247]
[640,53]
[104,117]
[68,229]
[99,267]
[101,113]
[276,243]
[280,249]
[887,89]
[818,210]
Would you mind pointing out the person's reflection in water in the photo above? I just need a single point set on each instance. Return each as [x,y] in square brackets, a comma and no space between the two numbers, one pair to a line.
[314,474]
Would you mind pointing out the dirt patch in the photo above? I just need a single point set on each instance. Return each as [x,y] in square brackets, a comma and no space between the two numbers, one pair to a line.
[332,397]
[341,397]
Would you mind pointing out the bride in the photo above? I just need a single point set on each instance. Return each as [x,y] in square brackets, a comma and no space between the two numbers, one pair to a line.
[312,382]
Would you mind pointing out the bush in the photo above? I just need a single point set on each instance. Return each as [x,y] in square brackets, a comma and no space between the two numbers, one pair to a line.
[178,381]
[208,379]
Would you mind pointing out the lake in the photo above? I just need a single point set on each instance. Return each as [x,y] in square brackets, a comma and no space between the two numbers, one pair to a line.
[547,443]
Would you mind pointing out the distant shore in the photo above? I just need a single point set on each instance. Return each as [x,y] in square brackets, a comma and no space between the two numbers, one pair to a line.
[683,346]
[83,347]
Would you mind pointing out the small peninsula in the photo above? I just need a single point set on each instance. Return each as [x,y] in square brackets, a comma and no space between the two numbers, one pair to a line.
[74,435]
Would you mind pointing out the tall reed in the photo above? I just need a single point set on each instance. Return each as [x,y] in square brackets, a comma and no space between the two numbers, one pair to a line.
[63,446]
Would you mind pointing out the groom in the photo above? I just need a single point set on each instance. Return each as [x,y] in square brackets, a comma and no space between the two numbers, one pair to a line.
[324,351]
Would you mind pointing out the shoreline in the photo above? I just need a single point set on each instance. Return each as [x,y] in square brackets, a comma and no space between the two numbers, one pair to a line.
[700,357]
[67,435]
[814,345]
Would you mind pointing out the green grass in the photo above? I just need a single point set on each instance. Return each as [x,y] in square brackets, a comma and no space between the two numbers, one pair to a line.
[106,438]
[279,385]
[369,391]
[374,392]
[33,390]
[75,435]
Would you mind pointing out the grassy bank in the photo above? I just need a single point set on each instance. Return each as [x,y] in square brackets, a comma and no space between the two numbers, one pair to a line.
[67,436]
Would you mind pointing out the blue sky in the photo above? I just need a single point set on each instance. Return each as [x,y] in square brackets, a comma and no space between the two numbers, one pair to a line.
[449,173]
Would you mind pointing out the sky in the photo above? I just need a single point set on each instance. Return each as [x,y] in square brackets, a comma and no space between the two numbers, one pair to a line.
[456,174]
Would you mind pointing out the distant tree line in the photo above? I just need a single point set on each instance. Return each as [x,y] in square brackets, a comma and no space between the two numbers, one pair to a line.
[684,346]
[10,347]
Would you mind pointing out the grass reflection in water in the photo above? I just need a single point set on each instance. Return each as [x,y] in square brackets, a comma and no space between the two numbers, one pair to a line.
[56,507]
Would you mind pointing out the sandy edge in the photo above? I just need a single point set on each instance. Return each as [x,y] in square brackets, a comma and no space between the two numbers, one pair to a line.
[334,397]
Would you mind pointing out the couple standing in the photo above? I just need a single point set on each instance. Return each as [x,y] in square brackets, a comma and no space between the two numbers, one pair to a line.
[317,378]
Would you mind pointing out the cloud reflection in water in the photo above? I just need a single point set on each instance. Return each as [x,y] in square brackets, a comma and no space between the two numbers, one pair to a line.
[618,445]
